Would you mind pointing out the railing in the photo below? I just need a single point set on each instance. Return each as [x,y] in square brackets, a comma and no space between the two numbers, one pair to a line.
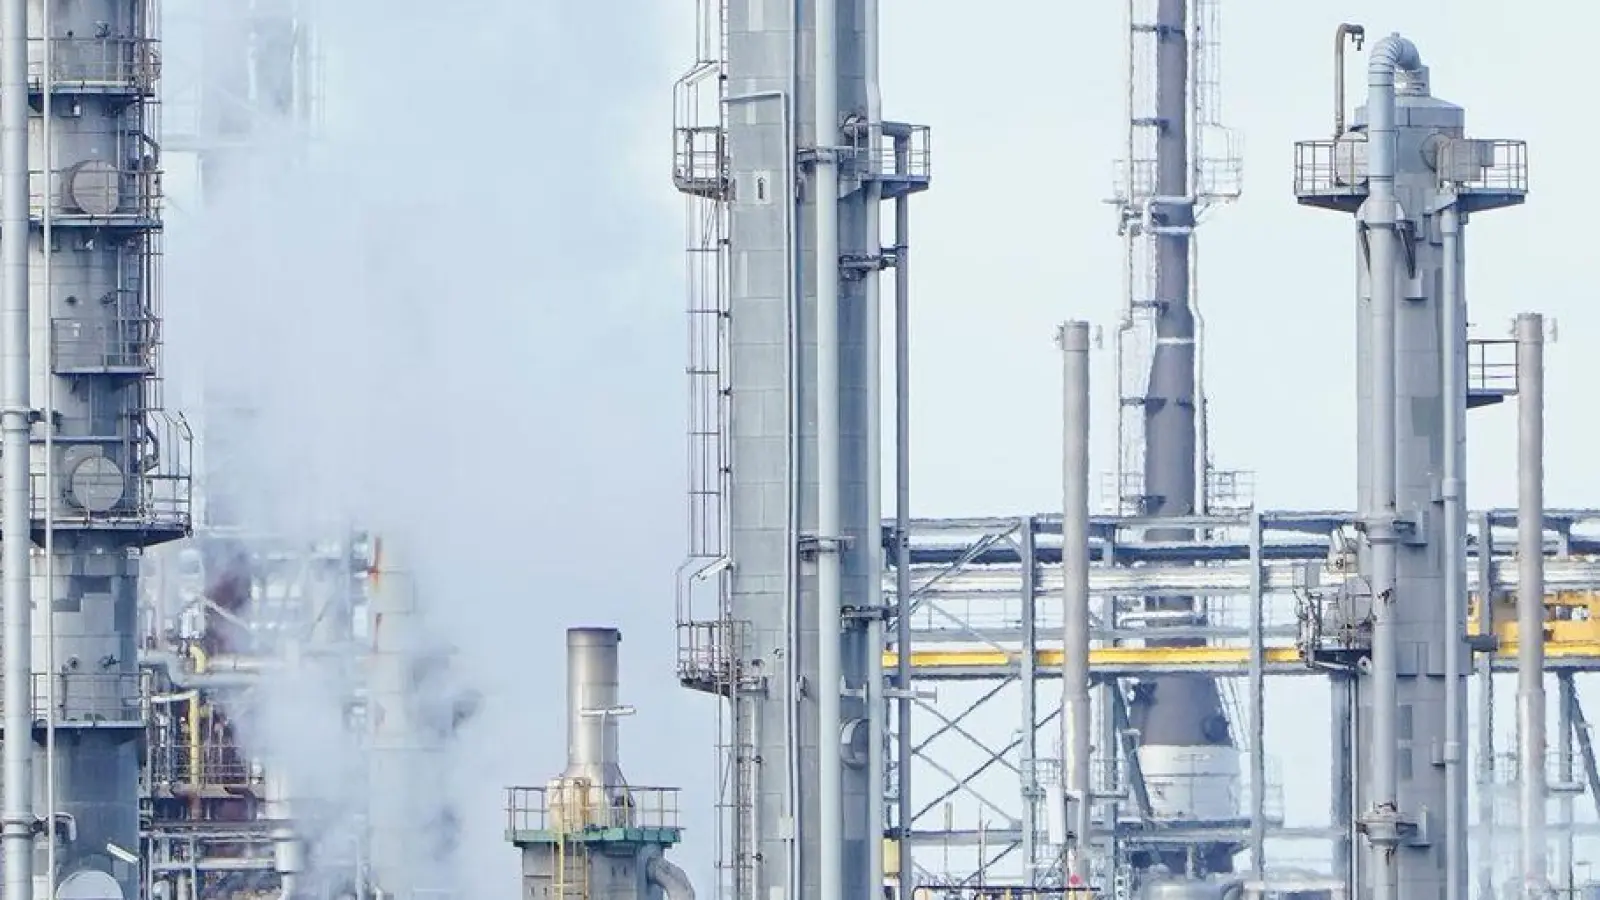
[221,764]
[1485,166]
[578,805]
[918,163]
[1492,366]
[96,62]
[158,501]
[96,189]
[90,698]
[1330,167]
[106,345]
[700,160]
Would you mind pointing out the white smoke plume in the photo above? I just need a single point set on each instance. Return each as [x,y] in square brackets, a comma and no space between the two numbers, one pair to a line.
[459,324]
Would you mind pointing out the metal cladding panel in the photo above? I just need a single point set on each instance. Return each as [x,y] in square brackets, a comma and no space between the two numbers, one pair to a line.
[760,58]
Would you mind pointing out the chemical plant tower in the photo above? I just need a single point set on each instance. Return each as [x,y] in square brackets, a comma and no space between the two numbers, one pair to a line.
[1179,165]
[109,470]
[1412,178]
[783,149]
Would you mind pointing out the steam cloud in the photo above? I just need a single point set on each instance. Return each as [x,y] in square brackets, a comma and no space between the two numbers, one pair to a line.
[458,324]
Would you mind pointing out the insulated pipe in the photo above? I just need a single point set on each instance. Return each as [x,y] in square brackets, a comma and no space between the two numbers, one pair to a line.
[877,712]
[592,705]
[1381,215]
[16,812]
[671,879]
[830,765]
[1453,382]
[1356,34]
[1076,725]
[904,748]
[1530,598]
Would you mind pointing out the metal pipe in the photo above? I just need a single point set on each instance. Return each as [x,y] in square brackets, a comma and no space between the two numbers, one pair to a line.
[1530,598]
[673,881]
[1381,514]
[877,712]
[1075,722]
[592,705]
[830,778]
[904,749]
[1453,389]
[1258,707]
[16,817]
[1485,761]
[1566,695]
[1357,35]
[47,272]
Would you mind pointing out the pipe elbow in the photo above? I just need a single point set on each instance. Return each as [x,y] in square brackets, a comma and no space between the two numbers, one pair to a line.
[671,879]
[1393,53]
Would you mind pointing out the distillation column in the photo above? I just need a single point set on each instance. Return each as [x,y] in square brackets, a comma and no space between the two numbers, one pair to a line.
[1411,176]
[1186,750]
[97,324]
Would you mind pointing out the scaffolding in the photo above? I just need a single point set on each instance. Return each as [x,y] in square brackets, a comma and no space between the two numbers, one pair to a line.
[986,595]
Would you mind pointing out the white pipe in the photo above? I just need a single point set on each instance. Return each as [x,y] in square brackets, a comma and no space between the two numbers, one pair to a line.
[904,750]
[47,272]
[877,724]
[830,779]
[671,879]
[1453,380]
[1530,599]
[1381,215]
[16,818]
[1076,726]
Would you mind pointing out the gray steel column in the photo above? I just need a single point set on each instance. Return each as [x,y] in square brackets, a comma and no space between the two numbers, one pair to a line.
[1566,696]
[904,749]
[1380,515]
[1485,761]
[1258,706]
[1075,722]
[830,587]
[1028,680]
[1530,599]
[1453,381]
[15,414]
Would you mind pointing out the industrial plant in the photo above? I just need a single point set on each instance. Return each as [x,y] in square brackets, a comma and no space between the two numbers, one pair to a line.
[1068,701]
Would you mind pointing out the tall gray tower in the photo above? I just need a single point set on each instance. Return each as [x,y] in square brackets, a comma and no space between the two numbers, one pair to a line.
[782,146]
[119,463]
[1179,165]
[1412,178]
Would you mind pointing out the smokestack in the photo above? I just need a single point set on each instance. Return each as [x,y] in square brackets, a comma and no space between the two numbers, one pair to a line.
[1075,724]
[1530,596]
[592,708]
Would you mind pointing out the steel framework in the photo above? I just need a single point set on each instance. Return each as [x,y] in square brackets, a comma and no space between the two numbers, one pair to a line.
[986,626]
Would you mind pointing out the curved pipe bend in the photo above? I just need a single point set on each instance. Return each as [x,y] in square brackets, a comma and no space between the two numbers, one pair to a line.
[1390,54]
[669,878]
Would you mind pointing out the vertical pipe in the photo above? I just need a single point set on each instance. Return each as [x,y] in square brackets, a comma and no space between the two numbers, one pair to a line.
[873,353]
[1566,695]
[1530,597]
[1258,707]
[1485,761]
[830,779]
[902,513]
[1028,681]
[47,273]
[1453,390]
[1075,722]
[16,818]
[1380,514]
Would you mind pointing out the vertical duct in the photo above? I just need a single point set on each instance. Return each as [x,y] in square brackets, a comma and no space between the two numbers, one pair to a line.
[1530,600]
[592,706]
[1453,382]
[1076,725]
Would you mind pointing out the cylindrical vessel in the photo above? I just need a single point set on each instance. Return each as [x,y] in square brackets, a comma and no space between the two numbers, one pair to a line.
[1075,720]
[592,705]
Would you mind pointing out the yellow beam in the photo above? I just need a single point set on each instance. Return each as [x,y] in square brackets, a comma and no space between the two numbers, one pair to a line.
[1173,656]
